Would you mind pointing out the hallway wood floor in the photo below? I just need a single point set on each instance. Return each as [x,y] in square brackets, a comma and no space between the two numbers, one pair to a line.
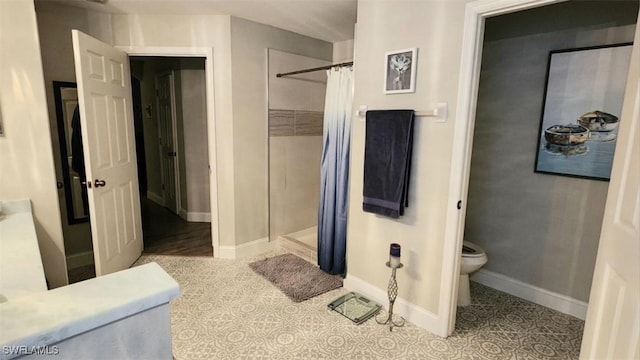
[165,233]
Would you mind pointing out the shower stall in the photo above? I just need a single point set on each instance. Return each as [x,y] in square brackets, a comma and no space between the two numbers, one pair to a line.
[296,105]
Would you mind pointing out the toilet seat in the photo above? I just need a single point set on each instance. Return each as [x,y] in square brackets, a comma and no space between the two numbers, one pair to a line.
[471,250]
[473,258]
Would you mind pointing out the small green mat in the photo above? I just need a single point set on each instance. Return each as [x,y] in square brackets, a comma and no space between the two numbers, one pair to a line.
[355,307]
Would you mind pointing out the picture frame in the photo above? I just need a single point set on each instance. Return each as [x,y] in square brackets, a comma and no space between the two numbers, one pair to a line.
[582,103]
[400,71]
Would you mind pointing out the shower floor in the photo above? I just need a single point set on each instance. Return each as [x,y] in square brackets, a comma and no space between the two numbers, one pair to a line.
[307,236]
[303,243]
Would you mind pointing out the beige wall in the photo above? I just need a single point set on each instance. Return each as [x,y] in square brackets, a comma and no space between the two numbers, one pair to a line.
[343,51]
[27,162]
[209,31]
[249,44]
[540,229]
[55,23]
[421,231]
[296,92]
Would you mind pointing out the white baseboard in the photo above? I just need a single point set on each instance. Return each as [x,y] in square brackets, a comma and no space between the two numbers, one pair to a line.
[247,249]
[155,198]
[79,259]
[183,214]
[198,216]
[194,216]
[409,311]
[555,301]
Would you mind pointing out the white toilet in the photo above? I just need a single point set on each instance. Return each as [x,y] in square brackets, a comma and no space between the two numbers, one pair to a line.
[473,258]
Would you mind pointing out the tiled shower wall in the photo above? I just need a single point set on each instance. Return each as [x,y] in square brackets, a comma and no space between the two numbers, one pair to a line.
[295,146]
[296,108]
[295,123]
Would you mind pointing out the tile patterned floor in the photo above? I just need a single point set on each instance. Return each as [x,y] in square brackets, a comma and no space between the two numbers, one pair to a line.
[500,326]
[226,311]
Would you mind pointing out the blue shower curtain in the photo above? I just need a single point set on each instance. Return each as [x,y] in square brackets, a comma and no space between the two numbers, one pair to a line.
[334,175]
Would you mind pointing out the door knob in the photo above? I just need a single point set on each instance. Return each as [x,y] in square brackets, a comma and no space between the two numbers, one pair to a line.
[97,183]
[171,153]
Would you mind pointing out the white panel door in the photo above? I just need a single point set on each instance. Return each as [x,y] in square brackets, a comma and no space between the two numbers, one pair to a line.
[167,140]
[612,328]
[106,117]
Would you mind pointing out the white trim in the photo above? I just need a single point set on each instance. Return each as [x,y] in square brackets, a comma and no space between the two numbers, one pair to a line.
[184,215]
[155,198]
[540,296]
[194,216]
[80,259]
[475,14]
[251,248]
[207,53]
[198,217]
[411,312]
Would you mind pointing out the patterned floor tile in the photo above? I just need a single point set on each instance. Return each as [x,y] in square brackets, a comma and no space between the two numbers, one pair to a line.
[226,311]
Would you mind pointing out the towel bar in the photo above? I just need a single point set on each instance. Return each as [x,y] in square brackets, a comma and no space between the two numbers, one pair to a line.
[440,112]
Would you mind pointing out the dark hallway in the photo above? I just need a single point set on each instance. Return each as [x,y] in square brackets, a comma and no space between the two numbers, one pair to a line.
[168,234]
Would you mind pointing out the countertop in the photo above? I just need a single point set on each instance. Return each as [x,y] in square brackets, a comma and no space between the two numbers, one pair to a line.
[21,270]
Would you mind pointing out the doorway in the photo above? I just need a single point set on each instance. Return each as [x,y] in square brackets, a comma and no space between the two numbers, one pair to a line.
[206,54]
[175,202]
[476,14]
[540,231]
[171,130]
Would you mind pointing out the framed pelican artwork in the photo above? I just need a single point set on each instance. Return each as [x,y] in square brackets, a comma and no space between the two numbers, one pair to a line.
[400,71]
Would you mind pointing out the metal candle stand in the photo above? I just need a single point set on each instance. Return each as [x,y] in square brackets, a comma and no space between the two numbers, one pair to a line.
[392,290]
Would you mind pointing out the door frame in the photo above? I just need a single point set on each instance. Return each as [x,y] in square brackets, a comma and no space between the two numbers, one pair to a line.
[476,13]
[207,54]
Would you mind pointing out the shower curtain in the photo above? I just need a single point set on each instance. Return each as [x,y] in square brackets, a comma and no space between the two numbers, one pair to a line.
[334,175]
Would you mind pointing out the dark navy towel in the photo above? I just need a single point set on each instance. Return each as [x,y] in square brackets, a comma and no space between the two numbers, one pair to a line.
[387,161]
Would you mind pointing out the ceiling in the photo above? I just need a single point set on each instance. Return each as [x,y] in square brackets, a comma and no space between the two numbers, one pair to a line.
[329,20]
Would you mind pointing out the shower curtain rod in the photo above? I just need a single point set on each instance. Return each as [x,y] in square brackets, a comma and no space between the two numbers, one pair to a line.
[349,63]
